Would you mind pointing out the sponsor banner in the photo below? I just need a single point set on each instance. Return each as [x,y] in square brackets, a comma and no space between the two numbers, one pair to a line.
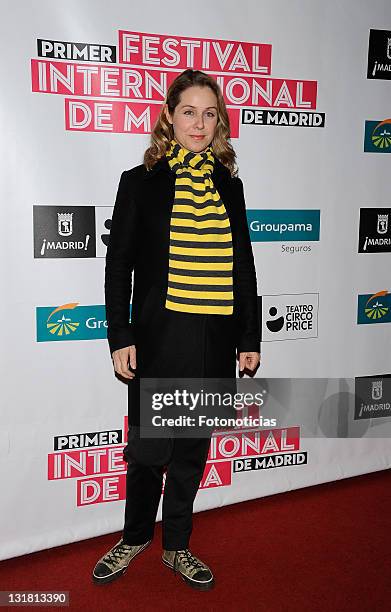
[79,111]
[126,98]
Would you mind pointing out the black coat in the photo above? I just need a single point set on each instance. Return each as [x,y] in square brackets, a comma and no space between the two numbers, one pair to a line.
[139,241]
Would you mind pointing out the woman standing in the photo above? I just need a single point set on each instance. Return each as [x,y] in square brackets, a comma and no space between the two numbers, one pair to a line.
[179,222]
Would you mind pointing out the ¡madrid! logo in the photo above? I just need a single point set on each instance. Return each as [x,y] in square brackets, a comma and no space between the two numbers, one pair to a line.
[375,230]
[377,137]
[374,308]
[379,54]
[372,397]
[71,322]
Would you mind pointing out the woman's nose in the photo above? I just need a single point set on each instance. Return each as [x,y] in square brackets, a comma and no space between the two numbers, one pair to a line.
[199,121]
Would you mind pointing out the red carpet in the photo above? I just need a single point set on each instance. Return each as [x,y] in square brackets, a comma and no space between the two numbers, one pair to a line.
[325,547]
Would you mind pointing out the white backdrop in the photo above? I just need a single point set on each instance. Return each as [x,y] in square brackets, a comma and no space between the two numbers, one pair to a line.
[58,379]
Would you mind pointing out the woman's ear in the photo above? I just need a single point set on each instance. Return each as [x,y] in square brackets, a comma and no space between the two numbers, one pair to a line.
[167,114]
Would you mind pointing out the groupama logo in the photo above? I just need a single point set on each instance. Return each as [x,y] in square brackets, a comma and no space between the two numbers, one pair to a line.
[64,324]
[70,321]
[377,137]
[374,308]
[381,136]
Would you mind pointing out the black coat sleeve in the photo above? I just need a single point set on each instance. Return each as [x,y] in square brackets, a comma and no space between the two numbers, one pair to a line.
[246,311]
[120,259]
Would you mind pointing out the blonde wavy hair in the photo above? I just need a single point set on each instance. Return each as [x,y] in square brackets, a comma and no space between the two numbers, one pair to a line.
[163,131]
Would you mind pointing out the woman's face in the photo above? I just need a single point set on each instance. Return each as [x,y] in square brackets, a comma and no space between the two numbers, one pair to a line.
[195,118]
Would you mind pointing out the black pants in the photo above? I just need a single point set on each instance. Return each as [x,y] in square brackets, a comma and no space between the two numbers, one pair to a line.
[184,345]
[144,488]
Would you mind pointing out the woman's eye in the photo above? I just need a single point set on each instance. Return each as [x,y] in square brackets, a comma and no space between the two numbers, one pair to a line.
[210,114]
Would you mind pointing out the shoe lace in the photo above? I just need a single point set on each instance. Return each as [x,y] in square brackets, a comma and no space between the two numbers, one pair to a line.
[188,559]
[115,555]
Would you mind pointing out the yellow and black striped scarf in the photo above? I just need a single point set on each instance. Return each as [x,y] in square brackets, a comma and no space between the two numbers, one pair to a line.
[200,253]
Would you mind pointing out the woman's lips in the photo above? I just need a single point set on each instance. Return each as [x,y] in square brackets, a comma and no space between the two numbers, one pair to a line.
[198,137]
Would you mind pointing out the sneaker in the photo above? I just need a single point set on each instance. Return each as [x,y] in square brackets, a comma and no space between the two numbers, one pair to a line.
[193,571]
[115,562]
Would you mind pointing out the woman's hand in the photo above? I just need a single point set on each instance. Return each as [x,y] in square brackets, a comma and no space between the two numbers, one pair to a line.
[248,360]
[121,360]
